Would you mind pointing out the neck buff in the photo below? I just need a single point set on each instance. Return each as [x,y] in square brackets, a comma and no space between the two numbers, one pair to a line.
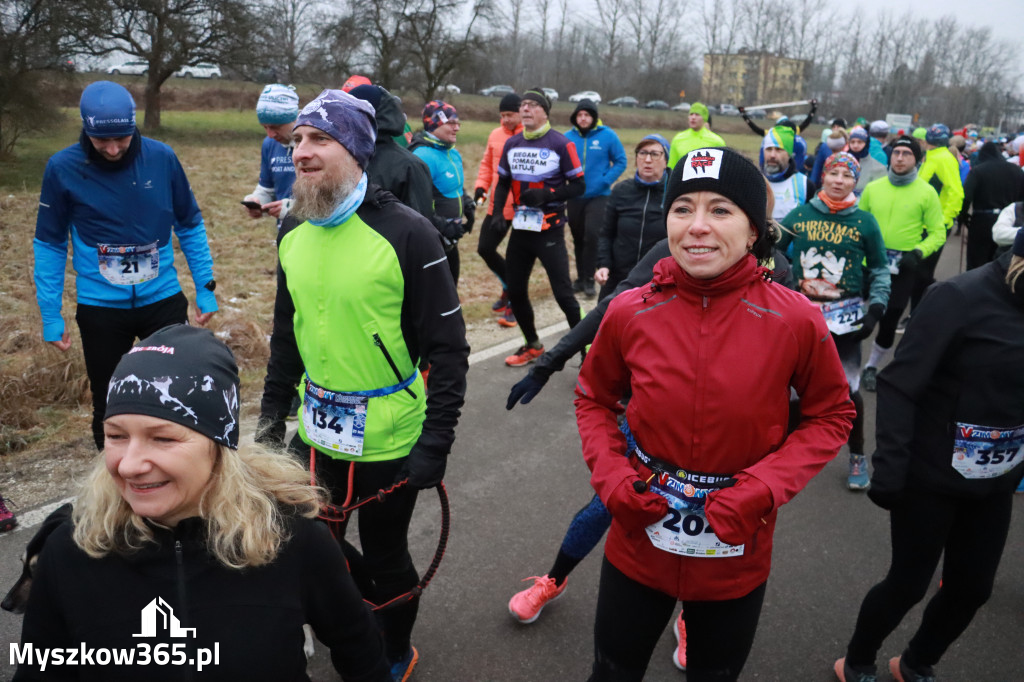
[837,206]
[905,179]
[781,175]
[644,183]
[539,133]
[433,141]
[347,207]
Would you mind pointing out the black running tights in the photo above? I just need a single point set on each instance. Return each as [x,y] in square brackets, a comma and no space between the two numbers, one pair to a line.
[972,533]
[492,231]
[524,249]
[631,618]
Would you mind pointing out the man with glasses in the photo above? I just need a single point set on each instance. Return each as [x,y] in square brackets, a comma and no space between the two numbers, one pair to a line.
[541,168]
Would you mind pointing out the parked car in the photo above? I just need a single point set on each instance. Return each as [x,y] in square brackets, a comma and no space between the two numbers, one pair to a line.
[199,71]
[586,94]
[728,110]
[497,91]
[451,89]
[756,113]
[626,101]
[656,104]
[551,93]
[682,106]
[135,67]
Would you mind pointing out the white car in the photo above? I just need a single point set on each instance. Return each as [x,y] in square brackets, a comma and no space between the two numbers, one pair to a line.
[551,93]
[728,110]
[682,106]
[452,89]
[135,67]
[586,94]
[199,71]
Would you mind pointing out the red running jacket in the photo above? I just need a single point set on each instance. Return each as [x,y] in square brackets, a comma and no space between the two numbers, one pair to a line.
[710,363]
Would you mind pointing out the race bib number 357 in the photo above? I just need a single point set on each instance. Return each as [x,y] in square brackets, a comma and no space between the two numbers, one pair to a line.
[986,451]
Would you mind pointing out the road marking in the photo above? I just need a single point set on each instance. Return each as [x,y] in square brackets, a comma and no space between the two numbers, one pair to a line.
[33,518]
[506,346]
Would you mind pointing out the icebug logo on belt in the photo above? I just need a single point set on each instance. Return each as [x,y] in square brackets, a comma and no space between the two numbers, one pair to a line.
[702,163]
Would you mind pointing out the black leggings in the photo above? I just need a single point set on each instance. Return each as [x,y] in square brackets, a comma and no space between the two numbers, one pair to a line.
[980,247]
[925,276]
[525,248]
[492,231]
[972,533]
[108,333]
[631,618]
[902,285]
[384,570]
[586,217]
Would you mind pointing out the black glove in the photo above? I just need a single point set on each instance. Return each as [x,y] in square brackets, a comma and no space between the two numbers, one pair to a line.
[742,110]
[910,260]
[527,388]
[479,194]
[886,499]
[538,196]
[468,214]
[424,468]
[270,431]
[452,229]
[870,319]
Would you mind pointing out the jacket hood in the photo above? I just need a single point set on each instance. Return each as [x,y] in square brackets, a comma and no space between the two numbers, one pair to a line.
[589,107]
[989,151]
[668,273]
[390,119]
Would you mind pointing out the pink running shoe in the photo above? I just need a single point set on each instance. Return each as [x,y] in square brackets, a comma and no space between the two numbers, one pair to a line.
[526,606]
[679,656]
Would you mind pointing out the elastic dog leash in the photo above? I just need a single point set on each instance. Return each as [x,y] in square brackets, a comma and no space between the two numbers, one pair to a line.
[336,517]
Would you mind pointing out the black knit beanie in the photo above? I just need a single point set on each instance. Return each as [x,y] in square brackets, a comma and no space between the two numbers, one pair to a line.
[182,374]
[510,102]
[537,95]
[730,174]
[911,144]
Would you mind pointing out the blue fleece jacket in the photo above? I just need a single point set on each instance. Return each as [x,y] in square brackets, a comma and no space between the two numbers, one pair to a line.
[137,204]
[602,156]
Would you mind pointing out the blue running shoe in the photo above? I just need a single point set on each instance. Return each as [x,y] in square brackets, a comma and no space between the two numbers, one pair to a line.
[401,671]
[858,479]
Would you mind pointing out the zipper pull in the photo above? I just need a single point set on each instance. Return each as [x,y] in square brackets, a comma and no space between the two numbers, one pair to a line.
[178,554]
[706,300]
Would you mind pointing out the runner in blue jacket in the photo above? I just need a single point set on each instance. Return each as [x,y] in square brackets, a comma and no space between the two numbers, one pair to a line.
[117,195]
[603,159]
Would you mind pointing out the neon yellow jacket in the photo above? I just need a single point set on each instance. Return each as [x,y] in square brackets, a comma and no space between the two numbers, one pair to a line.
[904,212]
[690,139]
[942,172]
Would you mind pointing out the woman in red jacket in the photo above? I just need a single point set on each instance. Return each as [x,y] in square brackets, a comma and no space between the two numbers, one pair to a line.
[709,350]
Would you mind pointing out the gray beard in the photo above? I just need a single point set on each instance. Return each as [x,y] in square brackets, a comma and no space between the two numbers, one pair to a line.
[773,168]
[318,199]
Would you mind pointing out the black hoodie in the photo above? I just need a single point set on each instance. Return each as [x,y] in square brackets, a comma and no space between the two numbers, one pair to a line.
[395,168]
[993,184]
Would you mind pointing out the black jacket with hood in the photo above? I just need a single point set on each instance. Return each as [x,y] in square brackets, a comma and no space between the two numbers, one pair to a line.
[395,168]
[960,363]
[993,184]
[633,225]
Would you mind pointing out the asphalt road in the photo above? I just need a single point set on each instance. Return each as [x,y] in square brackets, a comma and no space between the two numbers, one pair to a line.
[516,478]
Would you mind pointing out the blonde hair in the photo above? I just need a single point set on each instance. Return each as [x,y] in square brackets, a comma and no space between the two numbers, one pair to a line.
[245,505]
[1014,272]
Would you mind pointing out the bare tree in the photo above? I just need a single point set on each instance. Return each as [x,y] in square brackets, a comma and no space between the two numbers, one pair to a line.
[381,23]
[168,34]
[720,29]
[436,46]
[34,38]
[611,24]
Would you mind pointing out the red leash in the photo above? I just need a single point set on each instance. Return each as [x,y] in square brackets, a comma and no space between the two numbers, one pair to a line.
[336,517]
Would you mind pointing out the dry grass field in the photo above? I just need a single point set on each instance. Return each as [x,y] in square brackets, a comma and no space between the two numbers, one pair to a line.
[44,396]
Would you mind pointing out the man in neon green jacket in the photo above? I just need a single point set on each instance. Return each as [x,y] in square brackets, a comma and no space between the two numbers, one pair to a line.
[941,170]
[697,136]
[905,207]
[364,293]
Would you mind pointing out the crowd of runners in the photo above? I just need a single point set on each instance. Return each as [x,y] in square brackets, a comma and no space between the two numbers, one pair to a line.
[722,370]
